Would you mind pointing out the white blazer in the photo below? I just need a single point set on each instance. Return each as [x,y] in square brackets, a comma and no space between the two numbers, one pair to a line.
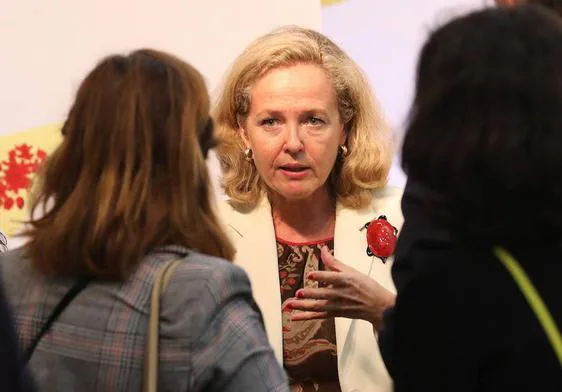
[360,365]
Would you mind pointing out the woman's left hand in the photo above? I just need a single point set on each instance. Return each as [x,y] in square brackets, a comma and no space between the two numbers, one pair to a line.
[349,293]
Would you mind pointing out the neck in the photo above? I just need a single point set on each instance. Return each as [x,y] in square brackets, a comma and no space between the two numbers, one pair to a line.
[306,220]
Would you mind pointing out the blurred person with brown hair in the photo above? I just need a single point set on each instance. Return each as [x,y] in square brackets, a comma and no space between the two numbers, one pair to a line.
[306,152]
[128,191]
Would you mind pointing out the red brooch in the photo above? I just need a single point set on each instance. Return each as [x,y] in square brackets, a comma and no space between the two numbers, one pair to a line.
[381,238]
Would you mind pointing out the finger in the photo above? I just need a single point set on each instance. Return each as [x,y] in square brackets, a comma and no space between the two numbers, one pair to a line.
[286,306]
[320,293]
[315,305]
[329,277]
[330,261]
[322,307]
[304,316]
[334,264]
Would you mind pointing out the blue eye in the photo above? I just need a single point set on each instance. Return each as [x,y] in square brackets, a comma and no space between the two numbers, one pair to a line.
[315,121]
[268,122]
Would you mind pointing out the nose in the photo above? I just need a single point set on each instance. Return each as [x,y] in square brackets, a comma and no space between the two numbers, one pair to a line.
[294,143]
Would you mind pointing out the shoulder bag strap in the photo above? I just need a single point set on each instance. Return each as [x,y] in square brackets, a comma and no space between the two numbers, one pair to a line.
[63,303]
[533,298]
[150,383]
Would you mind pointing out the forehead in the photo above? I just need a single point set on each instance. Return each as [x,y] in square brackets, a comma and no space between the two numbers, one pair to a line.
[301,86]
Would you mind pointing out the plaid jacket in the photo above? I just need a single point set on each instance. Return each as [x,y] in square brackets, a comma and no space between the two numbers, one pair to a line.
[211,332]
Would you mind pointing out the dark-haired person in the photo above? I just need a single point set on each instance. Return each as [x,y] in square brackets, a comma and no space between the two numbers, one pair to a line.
[552,5]
[483,155]
[13,377]
[130,191]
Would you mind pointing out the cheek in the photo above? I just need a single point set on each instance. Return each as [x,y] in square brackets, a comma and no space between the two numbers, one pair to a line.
[324,156]
[263,159]
[259,144]
[265,153]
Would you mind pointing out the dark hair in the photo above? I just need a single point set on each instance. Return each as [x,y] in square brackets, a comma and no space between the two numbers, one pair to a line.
[485,129]
[552,5]
[130,174]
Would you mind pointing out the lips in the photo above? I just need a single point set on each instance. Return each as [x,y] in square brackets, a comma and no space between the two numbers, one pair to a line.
[294,171]
[294,168]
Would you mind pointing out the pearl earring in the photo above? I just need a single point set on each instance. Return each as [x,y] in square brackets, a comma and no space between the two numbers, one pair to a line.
[343,150]
[249,154]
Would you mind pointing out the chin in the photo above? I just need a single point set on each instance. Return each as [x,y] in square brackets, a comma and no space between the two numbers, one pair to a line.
[297,190]
[296,194]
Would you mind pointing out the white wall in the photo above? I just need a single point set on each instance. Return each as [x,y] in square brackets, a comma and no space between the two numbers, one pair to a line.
[47,48]
[384,37]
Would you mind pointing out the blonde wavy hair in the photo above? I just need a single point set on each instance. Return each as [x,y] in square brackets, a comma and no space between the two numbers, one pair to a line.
[369,140]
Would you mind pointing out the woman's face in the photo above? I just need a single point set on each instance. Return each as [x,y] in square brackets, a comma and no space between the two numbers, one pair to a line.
[294,130]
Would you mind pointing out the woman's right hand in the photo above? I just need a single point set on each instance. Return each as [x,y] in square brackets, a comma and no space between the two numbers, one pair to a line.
[347,293]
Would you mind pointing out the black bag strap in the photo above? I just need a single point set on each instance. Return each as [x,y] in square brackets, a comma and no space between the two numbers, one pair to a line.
[63,303]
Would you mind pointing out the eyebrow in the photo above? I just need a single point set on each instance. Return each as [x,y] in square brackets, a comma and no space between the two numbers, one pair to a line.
[279,113]
[316,111]
[266,112]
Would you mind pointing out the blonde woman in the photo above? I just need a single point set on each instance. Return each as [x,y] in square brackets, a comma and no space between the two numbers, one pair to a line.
[306,153]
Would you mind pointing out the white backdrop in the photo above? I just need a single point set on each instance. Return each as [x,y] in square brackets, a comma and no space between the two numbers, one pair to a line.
[48,46]
[384,37]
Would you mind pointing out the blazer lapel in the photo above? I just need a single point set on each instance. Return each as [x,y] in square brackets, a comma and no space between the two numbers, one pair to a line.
[350,246]
[256,252]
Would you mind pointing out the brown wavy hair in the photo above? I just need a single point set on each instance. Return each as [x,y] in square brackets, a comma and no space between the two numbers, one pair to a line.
[130,175]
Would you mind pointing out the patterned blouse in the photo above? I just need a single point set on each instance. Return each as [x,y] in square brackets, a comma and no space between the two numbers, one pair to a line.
[309,347]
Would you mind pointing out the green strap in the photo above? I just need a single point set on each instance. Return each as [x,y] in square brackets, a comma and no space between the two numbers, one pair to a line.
[533,298]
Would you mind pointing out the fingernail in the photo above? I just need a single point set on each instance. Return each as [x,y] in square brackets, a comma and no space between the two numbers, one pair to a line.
[300,294]
[311,276]
[289,306]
